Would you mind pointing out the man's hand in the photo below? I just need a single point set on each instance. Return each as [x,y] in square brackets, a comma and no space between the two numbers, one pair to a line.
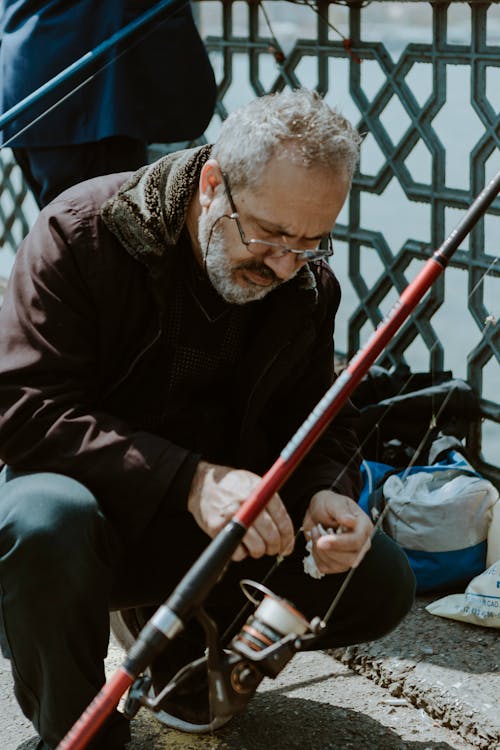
[215,496]
[337,553]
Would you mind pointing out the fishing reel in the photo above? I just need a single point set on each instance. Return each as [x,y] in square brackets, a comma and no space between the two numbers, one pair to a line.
[224,680]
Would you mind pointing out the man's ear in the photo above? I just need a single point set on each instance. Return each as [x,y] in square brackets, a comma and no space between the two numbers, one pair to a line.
[210,178]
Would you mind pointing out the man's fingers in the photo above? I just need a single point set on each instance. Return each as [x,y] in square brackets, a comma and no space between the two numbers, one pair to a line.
[338,553]
[254,543]
[217,493]
[279,515]
[240,553]
[272,531]
[329,512]
[265,526]
[343,543]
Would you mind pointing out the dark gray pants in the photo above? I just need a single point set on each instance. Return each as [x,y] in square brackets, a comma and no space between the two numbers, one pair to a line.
[62,568]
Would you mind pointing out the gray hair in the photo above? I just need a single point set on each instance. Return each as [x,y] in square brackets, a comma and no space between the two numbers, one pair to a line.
[297,125]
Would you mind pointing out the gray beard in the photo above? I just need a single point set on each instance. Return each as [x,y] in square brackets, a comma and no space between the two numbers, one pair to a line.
[220,271]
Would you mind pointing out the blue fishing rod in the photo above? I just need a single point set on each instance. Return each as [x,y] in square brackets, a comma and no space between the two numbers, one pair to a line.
[85,62]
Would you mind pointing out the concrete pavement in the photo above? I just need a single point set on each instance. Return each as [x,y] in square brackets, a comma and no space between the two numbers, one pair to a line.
[432,684]
[448,668]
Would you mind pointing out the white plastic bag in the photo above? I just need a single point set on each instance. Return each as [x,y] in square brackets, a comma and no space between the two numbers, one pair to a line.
[479,605]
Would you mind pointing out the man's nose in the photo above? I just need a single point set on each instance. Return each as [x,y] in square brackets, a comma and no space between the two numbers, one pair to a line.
[284,266]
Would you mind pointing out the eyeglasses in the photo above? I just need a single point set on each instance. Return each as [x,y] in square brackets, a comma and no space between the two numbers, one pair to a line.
[273,249]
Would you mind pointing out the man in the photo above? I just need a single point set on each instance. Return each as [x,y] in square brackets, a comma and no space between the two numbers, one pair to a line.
[163,336]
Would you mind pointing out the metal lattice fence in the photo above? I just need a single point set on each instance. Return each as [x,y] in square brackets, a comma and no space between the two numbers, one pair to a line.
[414,100]
[422,83]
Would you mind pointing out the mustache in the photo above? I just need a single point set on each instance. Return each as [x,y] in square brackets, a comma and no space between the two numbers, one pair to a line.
[259,268]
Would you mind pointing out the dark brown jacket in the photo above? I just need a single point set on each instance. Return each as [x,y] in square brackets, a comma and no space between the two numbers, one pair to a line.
[83,307]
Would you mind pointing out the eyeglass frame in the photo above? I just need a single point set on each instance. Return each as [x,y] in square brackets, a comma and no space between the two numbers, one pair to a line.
[284,250]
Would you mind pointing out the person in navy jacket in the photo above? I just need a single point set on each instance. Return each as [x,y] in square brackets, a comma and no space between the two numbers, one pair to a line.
[161,90]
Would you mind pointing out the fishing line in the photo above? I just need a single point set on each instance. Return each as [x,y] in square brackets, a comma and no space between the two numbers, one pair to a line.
[490,320]
[316,10]
[52,107]
[432,424]
[485,274]
[277,50]
[358,453]
[346,41]
[382,515]
[279,559]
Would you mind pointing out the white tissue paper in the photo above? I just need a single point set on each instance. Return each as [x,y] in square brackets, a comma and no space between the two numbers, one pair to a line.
[310,567]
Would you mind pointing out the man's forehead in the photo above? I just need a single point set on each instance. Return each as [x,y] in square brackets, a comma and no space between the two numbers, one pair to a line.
[287,192]
[283,174]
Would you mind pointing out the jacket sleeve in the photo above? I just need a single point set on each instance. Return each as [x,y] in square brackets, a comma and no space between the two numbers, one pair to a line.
[334,460]
[49,385]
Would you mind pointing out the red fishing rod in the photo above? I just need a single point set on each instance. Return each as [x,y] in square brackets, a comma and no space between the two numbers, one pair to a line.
[188,597]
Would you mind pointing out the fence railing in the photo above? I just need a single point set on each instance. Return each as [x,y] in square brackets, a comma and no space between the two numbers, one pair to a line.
[422,82]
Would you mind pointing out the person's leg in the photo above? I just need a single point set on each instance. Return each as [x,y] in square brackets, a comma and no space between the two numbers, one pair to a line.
[147,575]
[56,555]
[378,596]
[51,170]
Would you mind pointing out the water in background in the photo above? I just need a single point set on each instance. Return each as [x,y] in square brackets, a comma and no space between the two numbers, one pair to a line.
[397,218]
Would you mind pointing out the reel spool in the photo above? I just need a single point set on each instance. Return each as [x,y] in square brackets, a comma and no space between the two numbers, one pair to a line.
[267,641]
[273,619]
[273,633]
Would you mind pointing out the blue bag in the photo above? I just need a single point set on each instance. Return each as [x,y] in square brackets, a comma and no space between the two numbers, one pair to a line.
[438,513]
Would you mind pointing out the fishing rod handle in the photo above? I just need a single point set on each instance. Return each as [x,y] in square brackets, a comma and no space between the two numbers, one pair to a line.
[97,712]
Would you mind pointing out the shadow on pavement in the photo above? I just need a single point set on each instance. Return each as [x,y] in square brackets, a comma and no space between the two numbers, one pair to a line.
[274,722]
